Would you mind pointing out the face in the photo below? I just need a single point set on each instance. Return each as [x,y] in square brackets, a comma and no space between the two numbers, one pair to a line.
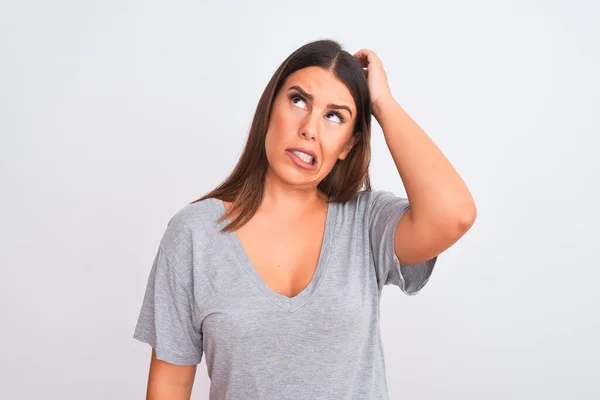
[310,127]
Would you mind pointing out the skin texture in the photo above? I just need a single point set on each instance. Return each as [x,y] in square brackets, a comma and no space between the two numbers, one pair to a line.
[283,239]
[310,124]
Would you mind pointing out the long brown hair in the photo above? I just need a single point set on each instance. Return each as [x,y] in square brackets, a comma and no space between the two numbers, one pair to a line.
[244,186]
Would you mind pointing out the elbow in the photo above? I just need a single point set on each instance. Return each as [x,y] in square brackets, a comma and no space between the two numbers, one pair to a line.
[467,217]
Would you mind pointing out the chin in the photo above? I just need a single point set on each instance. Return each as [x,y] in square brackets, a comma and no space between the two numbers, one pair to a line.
[293,176]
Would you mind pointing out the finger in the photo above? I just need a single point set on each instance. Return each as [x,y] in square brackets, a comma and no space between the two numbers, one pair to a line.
[363,57]
[367,57]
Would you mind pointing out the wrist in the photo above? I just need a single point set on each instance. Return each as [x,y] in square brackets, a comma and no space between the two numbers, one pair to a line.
[379,106]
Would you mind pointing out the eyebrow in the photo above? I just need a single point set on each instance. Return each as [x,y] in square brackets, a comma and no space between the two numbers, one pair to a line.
[311,97]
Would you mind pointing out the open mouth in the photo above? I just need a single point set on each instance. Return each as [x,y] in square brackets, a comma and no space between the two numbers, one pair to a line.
[304,157]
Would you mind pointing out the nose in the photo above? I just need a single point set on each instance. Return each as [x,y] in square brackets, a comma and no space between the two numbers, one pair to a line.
[308,130]
[307,135]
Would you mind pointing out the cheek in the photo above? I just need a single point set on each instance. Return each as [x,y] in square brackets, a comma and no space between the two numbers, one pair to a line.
[280,126]
[282,123]
[332,149]
[276,132]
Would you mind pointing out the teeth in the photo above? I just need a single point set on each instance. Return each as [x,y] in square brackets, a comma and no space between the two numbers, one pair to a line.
[304,157]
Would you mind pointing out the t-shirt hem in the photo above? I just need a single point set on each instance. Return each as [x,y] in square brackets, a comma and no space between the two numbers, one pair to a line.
[427,266]
[163,354]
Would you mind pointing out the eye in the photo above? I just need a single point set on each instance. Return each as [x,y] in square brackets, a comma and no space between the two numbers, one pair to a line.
[337,115]
[294,96]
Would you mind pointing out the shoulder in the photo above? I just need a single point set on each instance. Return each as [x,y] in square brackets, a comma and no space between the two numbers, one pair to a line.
[358,210]
[372,207]
[193,224]
[366,200]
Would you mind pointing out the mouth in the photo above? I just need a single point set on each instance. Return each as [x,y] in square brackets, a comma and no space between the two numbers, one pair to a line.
[303,158]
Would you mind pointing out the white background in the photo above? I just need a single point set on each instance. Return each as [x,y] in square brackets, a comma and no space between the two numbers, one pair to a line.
[116,114]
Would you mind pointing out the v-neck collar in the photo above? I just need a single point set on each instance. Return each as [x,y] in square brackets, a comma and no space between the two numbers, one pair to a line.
[290,304]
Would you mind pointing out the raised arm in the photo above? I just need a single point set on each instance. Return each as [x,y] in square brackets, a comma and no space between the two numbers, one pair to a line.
[442,207]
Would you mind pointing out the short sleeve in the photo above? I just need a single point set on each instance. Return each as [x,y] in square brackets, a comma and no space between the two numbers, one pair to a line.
[386,209]
[166,319]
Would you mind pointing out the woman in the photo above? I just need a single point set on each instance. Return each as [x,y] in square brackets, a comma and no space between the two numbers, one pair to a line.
[275,276]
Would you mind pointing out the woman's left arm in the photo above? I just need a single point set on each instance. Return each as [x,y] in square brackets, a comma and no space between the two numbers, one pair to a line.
[441,209]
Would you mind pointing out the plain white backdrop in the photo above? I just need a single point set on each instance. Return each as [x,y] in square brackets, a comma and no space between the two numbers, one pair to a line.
[116,114]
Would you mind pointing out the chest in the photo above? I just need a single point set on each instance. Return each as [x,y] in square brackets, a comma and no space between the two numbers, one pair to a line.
[284,255]
[313,331]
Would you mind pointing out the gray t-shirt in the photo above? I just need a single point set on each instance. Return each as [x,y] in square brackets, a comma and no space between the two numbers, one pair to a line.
[204,298]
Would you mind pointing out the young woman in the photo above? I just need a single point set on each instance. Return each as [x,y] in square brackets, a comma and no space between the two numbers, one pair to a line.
[275,276]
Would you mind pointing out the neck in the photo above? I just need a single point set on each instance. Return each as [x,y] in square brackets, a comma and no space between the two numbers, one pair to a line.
[286,199]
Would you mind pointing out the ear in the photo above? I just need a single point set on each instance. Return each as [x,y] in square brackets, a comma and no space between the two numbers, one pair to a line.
[351,142]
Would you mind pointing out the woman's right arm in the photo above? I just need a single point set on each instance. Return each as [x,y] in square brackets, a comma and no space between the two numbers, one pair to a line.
[168,381]
[168,317]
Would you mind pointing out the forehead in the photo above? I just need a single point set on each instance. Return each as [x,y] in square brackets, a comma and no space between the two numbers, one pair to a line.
[322,84]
